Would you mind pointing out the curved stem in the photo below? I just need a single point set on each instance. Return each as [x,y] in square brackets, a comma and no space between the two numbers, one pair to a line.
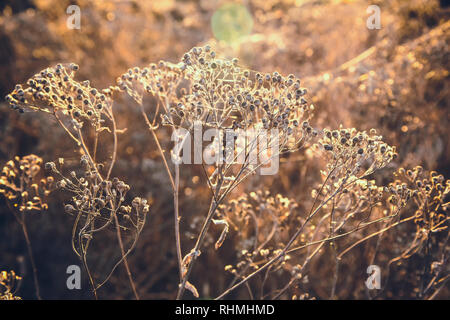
[114,155]
[119,236]
[125,261]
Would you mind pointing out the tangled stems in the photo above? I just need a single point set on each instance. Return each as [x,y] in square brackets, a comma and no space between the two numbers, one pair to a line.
[215,202]
[282,253]
[337,168]
[276,258]
[124,257]
[114,211]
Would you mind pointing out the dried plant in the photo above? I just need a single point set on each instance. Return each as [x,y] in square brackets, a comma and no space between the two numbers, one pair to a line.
[97,204]
[8,282]
[431,235]
[54,91]
[280,245]
[352,156]
[22,186]
[206,91]
[25,191]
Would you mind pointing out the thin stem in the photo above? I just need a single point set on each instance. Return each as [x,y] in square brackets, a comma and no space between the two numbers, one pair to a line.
[284,289]
[83,257]
[65,128]
[161,152]
[177,219]
[86,152]
[91,280]
[95,146]
[212,210]
[334,248]
[374,234]
[113,159]
[30,253]
[175,188]
[122,250]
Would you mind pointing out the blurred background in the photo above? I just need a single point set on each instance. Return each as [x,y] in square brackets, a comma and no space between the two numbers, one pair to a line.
[394,79]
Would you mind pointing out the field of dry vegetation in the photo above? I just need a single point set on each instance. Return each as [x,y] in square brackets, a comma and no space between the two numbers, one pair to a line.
[87,124]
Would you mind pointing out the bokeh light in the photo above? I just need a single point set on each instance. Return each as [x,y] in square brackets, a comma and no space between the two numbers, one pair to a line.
[231,23]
